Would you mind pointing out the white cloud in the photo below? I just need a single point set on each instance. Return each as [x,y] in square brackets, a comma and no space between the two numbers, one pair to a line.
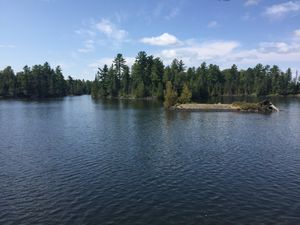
[88,46]
[221,52]
[192,53]
[162,40]
[251,2]
[297,33]
[285,54]
[279,47]
[212,24]
[86,33]
[84,50]
[102,33]
[111,30]
[255,56]
[225,53]
[279,10]
[7,46]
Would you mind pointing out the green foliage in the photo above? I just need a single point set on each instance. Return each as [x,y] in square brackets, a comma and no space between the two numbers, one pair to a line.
[140,90]
[264,106]
[140,75]
[125,82]
[40,81]
[186,95]
[7,82]
[170,96]
[149,77]
[246,105]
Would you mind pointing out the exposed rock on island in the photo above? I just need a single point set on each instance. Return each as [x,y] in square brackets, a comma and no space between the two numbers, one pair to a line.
[264,107]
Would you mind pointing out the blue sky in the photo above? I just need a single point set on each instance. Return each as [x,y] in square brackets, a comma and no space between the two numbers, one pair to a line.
[82,35]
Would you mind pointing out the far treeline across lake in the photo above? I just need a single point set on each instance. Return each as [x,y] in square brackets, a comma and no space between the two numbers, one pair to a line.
[150,78]
[40,81]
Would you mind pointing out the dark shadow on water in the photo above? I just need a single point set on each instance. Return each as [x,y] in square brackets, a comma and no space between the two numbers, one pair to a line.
[109,104]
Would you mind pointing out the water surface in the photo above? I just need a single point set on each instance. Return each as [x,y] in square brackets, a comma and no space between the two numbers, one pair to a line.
[78,161]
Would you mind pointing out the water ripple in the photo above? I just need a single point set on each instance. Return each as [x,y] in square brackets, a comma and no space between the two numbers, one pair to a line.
[133,163]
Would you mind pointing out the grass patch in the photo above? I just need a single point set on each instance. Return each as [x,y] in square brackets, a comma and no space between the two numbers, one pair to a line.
[246,105]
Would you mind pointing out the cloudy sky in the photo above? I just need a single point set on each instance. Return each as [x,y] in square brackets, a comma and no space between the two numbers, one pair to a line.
[82,35]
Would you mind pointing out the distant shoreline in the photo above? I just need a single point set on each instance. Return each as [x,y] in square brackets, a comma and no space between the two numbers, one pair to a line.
[227,96]
[37,98]
[146,98]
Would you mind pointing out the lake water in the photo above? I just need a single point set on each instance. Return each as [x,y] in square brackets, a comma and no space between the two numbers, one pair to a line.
[78,161]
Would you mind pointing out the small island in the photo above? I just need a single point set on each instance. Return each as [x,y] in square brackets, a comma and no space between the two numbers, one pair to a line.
[183,103]
[264,107]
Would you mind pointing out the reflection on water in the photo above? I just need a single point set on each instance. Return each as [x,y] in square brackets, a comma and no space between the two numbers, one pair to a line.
[79,161]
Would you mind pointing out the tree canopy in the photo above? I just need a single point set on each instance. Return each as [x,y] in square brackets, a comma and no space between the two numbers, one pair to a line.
[40,81]
[149,77]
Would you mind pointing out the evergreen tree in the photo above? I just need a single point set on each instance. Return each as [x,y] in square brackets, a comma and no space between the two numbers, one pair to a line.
[139,75]
[170,96]
[40,81]
[125,82]
[186,95]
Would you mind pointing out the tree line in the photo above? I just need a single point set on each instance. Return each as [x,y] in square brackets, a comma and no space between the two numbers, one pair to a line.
[40,81]
[149,77]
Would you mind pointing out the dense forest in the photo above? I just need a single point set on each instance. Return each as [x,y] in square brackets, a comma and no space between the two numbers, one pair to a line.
[149,77]
[40,81]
